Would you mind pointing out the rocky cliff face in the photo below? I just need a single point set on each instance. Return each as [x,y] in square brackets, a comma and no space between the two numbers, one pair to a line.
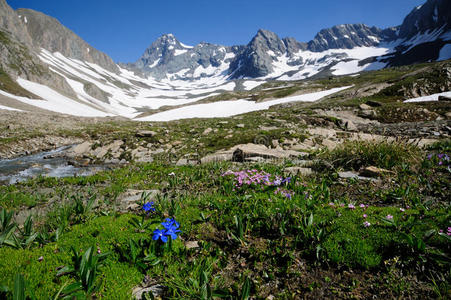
[48,33]
[346,36]
[167,57]
[433,15]
[10,23]
[266,49]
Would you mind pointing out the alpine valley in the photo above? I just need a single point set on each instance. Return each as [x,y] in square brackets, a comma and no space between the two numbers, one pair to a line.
[274,170]
[45,66]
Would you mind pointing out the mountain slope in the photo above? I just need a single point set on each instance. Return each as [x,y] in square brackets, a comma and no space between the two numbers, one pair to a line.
[48,33]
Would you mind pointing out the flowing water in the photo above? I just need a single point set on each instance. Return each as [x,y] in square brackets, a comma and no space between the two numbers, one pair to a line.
[49,164]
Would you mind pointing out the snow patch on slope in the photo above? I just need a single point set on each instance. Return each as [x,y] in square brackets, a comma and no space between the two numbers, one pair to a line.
[55,101]
[433,97]
[9,108]
[223,109]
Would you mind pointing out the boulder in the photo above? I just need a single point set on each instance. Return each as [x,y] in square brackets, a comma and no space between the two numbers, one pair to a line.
[372,171]
[364,106]
[156,290]
[145,133]
[352,175]
[241,152]
[207,131]
[298,171]
[81,148]
[349,125]
[217,157]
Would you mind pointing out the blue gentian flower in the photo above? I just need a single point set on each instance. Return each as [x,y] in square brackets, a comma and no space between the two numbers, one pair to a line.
[148,207]
[160,234]
[172,232]
[170,223]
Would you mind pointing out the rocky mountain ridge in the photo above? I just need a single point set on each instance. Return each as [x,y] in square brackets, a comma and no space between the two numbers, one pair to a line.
[266,51]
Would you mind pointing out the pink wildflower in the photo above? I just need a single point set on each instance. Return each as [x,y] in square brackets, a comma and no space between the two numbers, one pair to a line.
[366,224]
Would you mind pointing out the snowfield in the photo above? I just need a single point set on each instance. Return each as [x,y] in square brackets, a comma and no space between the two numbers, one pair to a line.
[223,109]
[9,108]
[433,97]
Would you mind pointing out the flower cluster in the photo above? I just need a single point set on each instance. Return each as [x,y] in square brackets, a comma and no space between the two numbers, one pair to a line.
[171,230]
[442,158]
[448,232]
[364,207]
[256,178]
[284,192]
[148,207]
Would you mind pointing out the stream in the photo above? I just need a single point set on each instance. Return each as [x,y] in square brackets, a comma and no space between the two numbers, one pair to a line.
[48,164]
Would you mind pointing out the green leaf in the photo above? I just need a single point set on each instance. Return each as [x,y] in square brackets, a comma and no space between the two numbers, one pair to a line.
[310,220]
[19,287]
[246,289]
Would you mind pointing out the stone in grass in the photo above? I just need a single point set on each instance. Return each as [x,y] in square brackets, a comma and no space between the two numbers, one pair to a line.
[373,171]
[145,133]
[364,106]
[192,244]
[298,171]
[129,199]
[352,175]
[156,290]
[207,131]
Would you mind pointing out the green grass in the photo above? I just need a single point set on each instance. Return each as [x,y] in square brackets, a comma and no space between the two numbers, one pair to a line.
[357,154]
[250,232]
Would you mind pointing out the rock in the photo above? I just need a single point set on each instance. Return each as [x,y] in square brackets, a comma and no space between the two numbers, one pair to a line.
[113,161]
[325,132]
[239,125]
[329,144]
[144,159]
[113,147]
[207,131]
[244,151]
[145,133]
[352,175]
[81,148]
[444,98]
[156,290]
[267,128]
[448,115]
[129,199]
[186,162]
[217,157]
[191,244]
[364,106]
[349,125]
[374,172]
[368,113]
[298,171]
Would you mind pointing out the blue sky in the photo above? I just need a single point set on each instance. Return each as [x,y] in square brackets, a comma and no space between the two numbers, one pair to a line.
[125,28]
